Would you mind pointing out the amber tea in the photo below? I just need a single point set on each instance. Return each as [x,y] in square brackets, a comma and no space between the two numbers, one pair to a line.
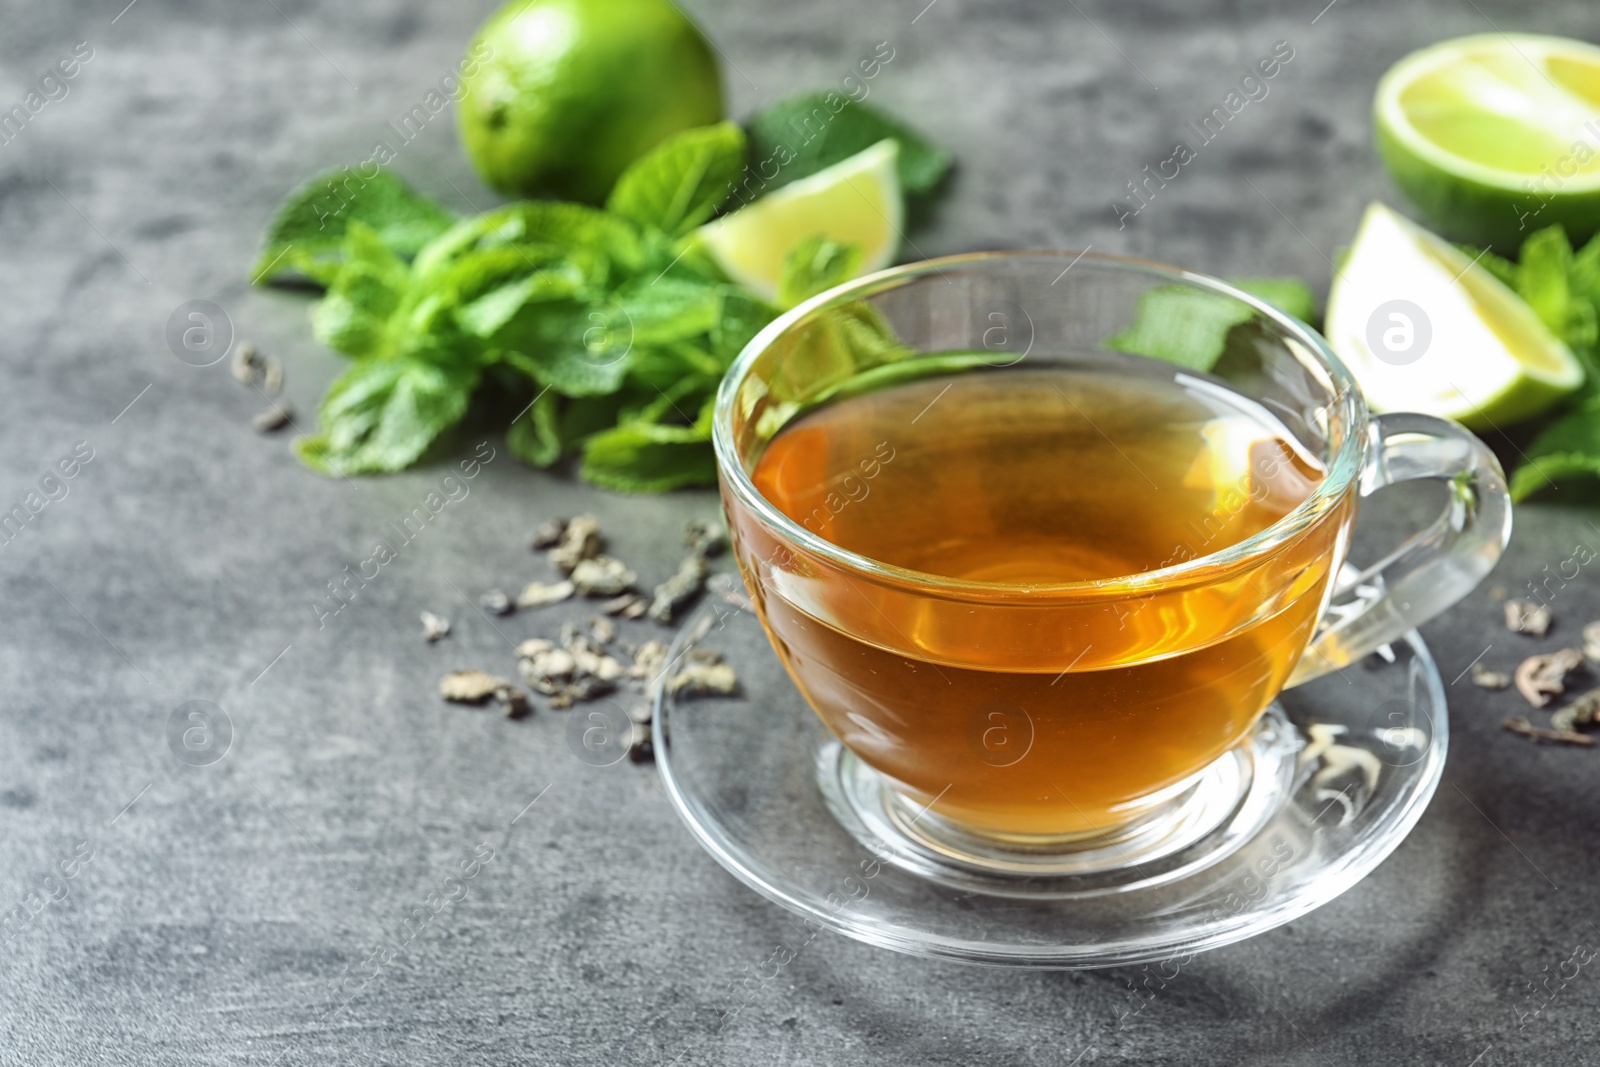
[1007,702]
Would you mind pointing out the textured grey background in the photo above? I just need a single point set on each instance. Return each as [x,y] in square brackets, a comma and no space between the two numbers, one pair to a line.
[218,913]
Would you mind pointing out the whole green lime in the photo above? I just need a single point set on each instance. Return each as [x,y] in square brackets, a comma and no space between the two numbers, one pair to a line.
[561,95]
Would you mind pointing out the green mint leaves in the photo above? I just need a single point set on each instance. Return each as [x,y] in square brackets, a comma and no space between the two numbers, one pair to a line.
[601,325]
[1190,327]
[1563,288]
[682,183]
[815,266]
[797,137]
[308,232]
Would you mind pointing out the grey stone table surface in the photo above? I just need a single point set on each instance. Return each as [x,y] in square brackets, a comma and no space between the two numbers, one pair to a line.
[216,913]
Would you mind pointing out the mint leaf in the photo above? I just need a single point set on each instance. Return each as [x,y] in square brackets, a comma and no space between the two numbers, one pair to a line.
[814,266]
[574,348]
[363,294]
[830,347]
[1190,327]
[670,367]
[682,181]
[1569,446]
[797,137]
[667,310]
[1543,268]
[381,414]
[1499,266]
[486,289]
[535,438]
[566,227]
[647,458]
[1289,295]
[743,316]
[307,234]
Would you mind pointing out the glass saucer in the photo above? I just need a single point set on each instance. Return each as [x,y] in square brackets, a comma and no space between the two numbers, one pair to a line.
[1341,769]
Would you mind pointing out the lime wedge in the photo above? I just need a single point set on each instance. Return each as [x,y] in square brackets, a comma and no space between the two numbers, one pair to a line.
[1495,136]
[856,200]
[1424,328]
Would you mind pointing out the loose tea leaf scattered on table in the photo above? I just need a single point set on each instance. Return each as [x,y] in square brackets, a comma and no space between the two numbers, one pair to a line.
[1541,677]
[589,661]
[470,686]
[1526,617]
[496,602]
[1520,725]
[1484,678]
[1581,712]
[538,594]
[275,418]
[434,627]
[602,576]
[1591,642]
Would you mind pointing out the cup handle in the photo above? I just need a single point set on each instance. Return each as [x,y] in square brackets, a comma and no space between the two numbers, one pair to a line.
[1431,570]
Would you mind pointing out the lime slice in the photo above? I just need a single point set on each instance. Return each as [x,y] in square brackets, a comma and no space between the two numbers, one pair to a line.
[1424,328]
[856,200]
[1495,136]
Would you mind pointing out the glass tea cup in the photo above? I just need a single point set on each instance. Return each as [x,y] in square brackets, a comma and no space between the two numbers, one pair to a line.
[1044,726]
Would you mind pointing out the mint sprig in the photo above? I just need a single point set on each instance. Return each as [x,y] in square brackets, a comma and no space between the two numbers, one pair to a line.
[803,134]
[1563,288]
[600,321]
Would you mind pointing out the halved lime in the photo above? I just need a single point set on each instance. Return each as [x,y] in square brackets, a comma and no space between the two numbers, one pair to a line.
[856,200]
[1495,136]
[1424,328]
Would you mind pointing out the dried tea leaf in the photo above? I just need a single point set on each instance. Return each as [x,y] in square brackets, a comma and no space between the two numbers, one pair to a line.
[246,363]
[1520,725]
[538,595]
[716,679]
[545,666]
[274,418]
[1541,677]
[470,687]
[679,591]
[496,602]
[271,376]
[580,540]
[1526,617]
[1484,678]
[532,647]
[1580,712]
[648,659]
[602,576]
[705,537]
[1591,641]
[628,606]
[587,687]
[602,629]
[597,665]
[548,533]
[434,627]
[514,702]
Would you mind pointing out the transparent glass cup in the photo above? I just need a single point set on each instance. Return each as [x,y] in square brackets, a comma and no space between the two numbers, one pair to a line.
[992,722]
